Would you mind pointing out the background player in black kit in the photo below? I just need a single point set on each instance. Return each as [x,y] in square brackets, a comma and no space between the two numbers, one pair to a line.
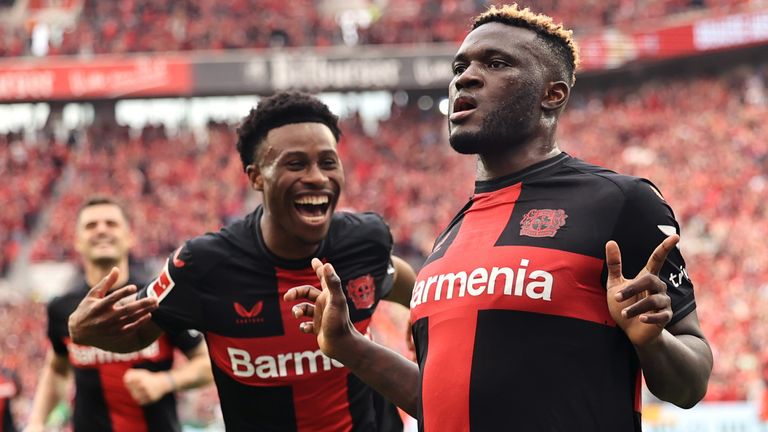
[10,388]
[521,316]
[229,285]
[114,392]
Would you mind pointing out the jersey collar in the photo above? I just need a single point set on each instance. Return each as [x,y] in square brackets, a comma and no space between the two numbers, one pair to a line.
[536,169]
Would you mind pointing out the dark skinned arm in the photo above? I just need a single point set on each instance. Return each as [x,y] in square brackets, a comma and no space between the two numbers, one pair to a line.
[676,361]
[387,372]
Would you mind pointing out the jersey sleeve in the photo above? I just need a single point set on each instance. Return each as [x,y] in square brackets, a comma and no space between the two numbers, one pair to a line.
[56,328]
[186,340]
[380,253]
[644,223]
[177,292]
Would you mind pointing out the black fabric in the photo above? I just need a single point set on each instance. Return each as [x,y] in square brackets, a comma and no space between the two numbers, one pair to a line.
[229,286]
[545,356]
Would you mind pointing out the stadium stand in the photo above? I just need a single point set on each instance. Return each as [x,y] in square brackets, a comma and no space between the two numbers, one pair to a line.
[165,25]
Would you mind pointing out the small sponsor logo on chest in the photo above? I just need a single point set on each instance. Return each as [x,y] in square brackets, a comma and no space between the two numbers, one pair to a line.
[248,316]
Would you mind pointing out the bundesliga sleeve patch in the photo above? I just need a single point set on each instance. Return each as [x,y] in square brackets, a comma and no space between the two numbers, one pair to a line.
[161,286]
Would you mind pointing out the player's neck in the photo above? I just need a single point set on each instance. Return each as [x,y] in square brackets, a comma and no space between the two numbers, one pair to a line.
[95,272]
[491,166]
[284,245]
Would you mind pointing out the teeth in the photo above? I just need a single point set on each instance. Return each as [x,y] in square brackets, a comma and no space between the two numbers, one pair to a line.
[313,200]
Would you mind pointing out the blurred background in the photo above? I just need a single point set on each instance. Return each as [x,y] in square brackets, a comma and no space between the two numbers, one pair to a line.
[140,98]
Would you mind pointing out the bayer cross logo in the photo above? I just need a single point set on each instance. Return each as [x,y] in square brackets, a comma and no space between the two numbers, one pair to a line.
[542,222]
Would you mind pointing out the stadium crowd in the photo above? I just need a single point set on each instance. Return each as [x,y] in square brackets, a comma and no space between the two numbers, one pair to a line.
[165,25]
[23,195]
[706,153]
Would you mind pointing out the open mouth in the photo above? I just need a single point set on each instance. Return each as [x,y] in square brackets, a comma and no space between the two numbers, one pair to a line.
[312,208]
[462,108]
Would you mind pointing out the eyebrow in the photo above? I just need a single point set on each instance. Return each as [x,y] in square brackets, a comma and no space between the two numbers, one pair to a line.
[303,153]
[485,52]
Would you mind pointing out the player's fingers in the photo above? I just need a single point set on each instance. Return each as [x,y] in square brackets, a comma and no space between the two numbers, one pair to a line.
[613,262]
[644,285]
[661,318]
[659,254]
[133,316]
[331,281]
[307,327]
[147,304]
[316,266]
[656,302]
[118,295]
[302,292]
[101,288]
[303,310]
[136,323]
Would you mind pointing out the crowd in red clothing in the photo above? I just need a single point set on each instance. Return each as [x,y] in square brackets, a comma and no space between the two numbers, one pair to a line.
[165,25]
[707,154]
[174,187]
[29,169]
[709,157]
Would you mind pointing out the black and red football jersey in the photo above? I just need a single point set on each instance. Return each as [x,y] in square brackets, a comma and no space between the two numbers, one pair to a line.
[270,376]
[509,313]
[9,389]
[102,402]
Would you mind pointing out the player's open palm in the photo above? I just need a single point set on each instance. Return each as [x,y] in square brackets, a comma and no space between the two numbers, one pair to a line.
[329,313]
[640,306]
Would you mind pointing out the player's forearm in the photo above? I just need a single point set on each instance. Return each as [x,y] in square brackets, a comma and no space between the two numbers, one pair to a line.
[677,368]
[402,286]
[387,372]
[195,373]
[50,391]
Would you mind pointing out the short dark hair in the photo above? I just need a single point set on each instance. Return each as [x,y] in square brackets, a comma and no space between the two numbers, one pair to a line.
[102,200]
[557,38]
[278,110]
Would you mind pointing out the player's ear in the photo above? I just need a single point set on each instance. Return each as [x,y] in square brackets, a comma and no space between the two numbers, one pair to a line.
[254,177]
[556,95]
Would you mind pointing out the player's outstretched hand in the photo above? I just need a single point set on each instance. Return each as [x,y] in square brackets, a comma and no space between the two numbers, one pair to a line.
[640,306]
[100,318]
[330,314]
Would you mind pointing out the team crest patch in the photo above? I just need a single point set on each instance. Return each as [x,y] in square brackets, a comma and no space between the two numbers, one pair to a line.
[542,222]
[362,291]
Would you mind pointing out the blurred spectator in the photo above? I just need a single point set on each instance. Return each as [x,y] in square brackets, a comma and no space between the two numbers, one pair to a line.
[9,389]
[183,25]
[28,170]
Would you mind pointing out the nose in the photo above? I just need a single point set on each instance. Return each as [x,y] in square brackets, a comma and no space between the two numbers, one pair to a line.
[469,78]
[315,176]
[101,227]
